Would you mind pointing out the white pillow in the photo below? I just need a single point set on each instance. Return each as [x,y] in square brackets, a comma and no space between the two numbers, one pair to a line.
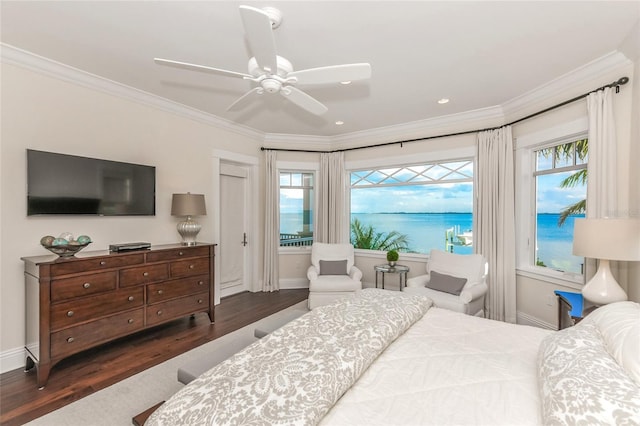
[619,324]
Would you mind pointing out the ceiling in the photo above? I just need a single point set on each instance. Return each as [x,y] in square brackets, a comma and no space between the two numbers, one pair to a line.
[477,54]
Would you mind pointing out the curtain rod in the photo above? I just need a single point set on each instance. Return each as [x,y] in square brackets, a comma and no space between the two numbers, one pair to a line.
[621,81]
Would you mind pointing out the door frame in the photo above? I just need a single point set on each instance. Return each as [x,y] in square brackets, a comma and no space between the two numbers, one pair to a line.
[252,196]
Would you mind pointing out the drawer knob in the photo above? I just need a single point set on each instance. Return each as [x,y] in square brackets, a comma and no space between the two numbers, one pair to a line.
[159,313]
[180,253]
[70,339]
[200,282]
[70,313]
[145,274]
[86,285]
[103,262]
[130,321]
[192,266]
[160,291]
[130,298]
[199,300]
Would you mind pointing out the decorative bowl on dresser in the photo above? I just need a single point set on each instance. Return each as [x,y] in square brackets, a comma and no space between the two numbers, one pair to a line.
[76,303]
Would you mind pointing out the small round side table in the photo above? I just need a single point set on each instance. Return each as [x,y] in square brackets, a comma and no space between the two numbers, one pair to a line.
[401,270]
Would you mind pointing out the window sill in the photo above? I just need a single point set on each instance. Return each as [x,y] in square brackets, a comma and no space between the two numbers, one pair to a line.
[565,279]
[294,250]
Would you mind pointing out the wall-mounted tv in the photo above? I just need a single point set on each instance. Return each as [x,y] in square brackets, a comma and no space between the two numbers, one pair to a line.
[68,184]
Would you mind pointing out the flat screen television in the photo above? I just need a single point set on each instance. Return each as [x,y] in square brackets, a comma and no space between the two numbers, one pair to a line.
[68,184]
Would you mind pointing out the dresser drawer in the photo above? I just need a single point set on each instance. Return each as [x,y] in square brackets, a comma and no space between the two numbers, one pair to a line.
[95,263]
[177,308]
[76,339]
[176,288]
[84,285]
[76,311]
[179,253]
[189,267]
[143,274]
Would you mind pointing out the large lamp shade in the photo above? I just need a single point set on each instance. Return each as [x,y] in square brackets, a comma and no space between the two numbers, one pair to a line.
[606,239]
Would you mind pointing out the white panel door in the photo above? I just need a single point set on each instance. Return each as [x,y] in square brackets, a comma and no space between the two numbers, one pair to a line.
[233,226]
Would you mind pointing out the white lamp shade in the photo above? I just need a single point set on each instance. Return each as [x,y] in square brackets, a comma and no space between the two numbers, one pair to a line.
[188,205]
[611,239]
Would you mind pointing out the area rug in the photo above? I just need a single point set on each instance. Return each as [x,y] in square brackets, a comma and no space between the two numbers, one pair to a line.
[118,404]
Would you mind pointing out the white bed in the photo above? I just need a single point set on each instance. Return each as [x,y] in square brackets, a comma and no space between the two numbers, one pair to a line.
[387,358]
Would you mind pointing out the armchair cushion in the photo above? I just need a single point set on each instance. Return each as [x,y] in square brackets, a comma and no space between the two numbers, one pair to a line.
[469,266]
[333,267]
[446,283]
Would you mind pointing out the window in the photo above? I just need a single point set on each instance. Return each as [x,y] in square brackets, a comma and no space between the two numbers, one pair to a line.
[414,208]
[560,181]
[296,208]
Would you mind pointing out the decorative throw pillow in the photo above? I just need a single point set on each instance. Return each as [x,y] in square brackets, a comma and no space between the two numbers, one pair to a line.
[581,383]
[333,267]
[446,283]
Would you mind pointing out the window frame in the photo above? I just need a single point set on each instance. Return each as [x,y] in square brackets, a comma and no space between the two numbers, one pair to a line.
[300,167]
[468,153]
[525,147]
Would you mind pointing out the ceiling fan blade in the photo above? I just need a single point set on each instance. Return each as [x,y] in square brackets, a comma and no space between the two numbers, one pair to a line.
[257,26]
[303,100]
[201,68]
[245,99]
[332,74]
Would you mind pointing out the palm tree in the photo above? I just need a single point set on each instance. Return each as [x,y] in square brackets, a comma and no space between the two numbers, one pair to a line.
[577,178]
[365,237]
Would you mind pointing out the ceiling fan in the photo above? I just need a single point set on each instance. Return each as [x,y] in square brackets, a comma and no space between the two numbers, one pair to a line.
[273,73]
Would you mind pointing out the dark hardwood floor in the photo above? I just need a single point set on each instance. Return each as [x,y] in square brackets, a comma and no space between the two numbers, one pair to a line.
[98,368]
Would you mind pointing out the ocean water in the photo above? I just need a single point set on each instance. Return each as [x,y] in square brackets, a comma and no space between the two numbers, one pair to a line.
[426,231]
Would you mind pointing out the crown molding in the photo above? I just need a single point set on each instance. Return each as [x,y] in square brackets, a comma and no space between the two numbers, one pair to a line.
[567,83]
[14,56]
[465,121]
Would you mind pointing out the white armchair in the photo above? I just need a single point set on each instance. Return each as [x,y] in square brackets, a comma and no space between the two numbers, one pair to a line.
[453,281]
[332,274]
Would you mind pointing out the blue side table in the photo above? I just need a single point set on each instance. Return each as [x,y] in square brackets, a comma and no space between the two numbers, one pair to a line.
[571,308]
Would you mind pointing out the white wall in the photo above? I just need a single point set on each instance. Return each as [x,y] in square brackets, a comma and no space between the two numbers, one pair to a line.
[46,113]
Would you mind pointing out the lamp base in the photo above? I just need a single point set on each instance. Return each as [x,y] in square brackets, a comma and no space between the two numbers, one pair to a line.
[188,230]
[603,287]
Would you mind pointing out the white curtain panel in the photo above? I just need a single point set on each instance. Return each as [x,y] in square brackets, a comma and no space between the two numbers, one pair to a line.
[602,168]
[270,275]
[495,225]
[332,224]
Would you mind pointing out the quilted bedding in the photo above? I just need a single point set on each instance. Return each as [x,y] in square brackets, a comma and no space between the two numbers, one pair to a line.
[388,358]
[453,369]
[297,373]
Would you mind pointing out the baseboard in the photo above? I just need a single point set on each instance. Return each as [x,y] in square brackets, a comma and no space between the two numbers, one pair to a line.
[293,283]
[12,359]
[526,319]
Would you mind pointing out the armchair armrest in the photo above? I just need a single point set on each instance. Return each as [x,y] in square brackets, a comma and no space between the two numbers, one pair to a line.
[355,273]
[419,281]
[478,290]
[312,273]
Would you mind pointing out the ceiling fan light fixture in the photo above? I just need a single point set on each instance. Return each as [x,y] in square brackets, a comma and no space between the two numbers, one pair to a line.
[339,123]
[271,85]
[345,82]
[443,101]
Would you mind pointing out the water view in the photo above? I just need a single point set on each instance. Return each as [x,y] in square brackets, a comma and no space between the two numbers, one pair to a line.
[427,231]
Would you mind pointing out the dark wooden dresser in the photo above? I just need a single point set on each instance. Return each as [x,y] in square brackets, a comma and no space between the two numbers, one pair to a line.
[76,303]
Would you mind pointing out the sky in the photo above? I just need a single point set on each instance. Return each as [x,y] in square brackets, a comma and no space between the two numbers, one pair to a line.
[440,198]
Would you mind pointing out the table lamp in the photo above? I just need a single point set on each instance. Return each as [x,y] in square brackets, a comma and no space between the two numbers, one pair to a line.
[188,205]
[606,239]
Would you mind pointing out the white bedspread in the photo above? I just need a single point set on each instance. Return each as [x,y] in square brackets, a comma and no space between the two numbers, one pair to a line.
[449,368]
[296,374]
